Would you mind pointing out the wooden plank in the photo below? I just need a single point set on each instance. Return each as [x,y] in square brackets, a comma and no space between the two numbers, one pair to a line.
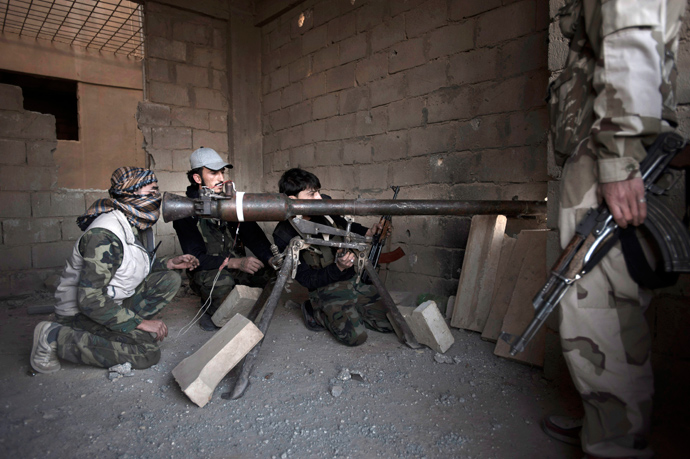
[531,278]
[478,275]
[506,281]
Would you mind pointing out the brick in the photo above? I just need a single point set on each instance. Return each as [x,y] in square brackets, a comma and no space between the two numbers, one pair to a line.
[371,122]
[199,374]
[153,114]
[430,15]
[523,55]
[15,205]
[192,32]
[170,94]
[271,102]
[506,23]
[452,103]
[406,113]
[343,27]
[279,120]
[340,127]
[291,51]
[325,106]
[451,39]
[328,154]
[461,9]
[353,48]
[372,68]
[15,258]
[340,77]
[11,98]
[292,137]
[357,152]
[426,78]
[210,99]
[325,58]
[300,69]
[239,301]
[314,131]
[27,125]
[315,39]
[300,113]
[388,33]
[25,178]
[172,138]
[389,147]
[387,90]
[291,95]
[189,117]
[57,204]
[373,177]
[195,76]
[163,48]
[160,159]
[370,15]
[50,255]
[411,172]
[13,152]
[405,55]
[355,99]
[303,156]
[208,57]
[429,327]
[433,138]
[216,140]
[314,86]
[279,79]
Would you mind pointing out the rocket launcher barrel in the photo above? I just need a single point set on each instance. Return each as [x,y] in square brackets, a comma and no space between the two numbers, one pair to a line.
[265,207]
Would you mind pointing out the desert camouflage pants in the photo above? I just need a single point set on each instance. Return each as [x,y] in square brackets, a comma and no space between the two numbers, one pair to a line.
[81,340]
[201,283]
[347,309]
[604,334]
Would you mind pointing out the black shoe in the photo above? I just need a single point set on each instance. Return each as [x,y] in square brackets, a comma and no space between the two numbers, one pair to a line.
[563,428]
[309,320]
[207,324]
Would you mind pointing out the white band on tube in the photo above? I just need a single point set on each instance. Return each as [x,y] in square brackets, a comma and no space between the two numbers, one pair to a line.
[238,206]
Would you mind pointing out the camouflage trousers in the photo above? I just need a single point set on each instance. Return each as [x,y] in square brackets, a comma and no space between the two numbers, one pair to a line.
[81,340]
[347,309]
[201,283]
[605,337]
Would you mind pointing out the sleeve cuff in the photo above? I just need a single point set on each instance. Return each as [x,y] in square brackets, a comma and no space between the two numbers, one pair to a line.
[130,325]
[618,169]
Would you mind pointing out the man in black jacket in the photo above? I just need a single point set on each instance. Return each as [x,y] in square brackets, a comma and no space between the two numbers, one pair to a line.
[338,303]
[213,241]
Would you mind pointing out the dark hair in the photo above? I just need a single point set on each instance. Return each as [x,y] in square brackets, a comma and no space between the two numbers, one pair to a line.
[190,175]
[296,180]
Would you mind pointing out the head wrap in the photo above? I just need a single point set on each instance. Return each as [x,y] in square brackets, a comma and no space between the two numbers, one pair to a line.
[141,211]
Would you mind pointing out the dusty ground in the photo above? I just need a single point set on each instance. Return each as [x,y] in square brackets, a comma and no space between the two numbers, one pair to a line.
[408,404]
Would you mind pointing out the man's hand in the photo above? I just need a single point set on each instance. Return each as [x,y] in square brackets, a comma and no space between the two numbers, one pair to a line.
[183,261]
[247,264]
[344,260]
[154,326]
[378,228]
[625,200]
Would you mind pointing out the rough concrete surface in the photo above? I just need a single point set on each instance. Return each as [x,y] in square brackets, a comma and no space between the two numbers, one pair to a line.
[308,397]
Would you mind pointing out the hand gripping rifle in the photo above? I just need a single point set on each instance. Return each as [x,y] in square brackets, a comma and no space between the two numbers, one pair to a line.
[380,241]
[597,233]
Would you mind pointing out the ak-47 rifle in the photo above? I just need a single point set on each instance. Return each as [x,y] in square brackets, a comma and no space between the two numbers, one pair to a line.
[379,242]
[597,233]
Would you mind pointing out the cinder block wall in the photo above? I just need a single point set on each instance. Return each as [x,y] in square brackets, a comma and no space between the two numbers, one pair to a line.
[442,97]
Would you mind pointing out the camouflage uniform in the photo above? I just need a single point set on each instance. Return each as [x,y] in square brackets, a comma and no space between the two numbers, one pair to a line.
[614,96]
[104,332]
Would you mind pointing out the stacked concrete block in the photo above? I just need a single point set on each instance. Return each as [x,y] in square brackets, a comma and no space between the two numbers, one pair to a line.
[239,301]
[199,374]
[429,327]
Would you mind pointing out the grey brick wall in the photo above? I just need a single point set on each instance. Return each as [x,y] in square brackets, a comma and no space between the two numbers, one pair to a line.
[427,94]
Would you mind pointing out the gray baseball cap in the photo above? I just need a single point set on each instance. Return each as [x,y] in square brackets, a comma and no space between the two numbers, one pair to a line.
[208,158]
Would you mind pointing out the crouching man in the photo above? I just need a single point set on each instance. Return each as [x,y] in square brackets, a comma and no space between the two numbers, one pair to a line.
[113,284]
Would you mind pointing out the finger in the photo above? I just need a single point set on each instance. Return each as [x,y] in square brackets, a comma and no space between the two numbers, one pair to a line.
[643,210]
[618,216]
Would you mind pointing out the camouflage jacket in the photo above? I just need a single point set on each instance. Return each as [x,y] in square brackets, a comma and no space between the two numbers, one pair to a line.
[617,86]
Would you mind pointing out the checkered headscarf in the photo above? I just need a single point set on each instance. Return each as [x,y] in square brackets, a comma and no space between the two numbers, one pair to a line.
[141,211]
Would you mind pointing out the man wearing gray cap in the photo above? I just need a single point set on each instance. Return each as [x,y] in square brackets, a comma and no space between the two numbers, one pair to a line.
[212,241]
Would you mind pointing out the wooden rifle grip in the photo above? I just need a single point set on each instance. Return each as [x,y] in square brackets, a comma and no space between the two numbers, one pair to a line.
[578,260]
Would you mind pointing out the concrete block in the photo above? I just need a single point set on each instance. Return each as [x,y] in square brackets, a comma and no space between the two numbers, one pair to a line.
[449,307]
[280,36]
[429,327]
[159,70]
[387,90]
[506,23]
[353,100]
[191,75]
[15,258]
[164,48]
[390,146]
[15,204]
[199,374]
[292,137]
[371,122]
[153,114]
[451,39]
[291,51]
[388,33]
[180,161]
[326,11]
[370,15]
[461,9]
[300,69]
[279,120]
[51,254]
[341,127]
[188,117]
[314,131]
[411,172]
[407,113]
[524,54]
[69,229]
[280,160]
[300,113]
[357,152]
[271,102]
[328,154]
[429,16]
[325,106]
[302,157]
[239,301]
[342,27]
[326,58]
[353,48]
[406,54]
[432,138]
[219,80]
[340,77]
[13,152]
[193,32]
[210,99]
[342,179]
[216,140]
[169,94]
[373,177]
[314,86]
[11,98]
[279,79]
[291,94]
[372,68]
[58,204]
[172,138]
[474,66]
[426,78]
[27,125]
[24,178]
[405,5]
[208,57]
[315,39]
